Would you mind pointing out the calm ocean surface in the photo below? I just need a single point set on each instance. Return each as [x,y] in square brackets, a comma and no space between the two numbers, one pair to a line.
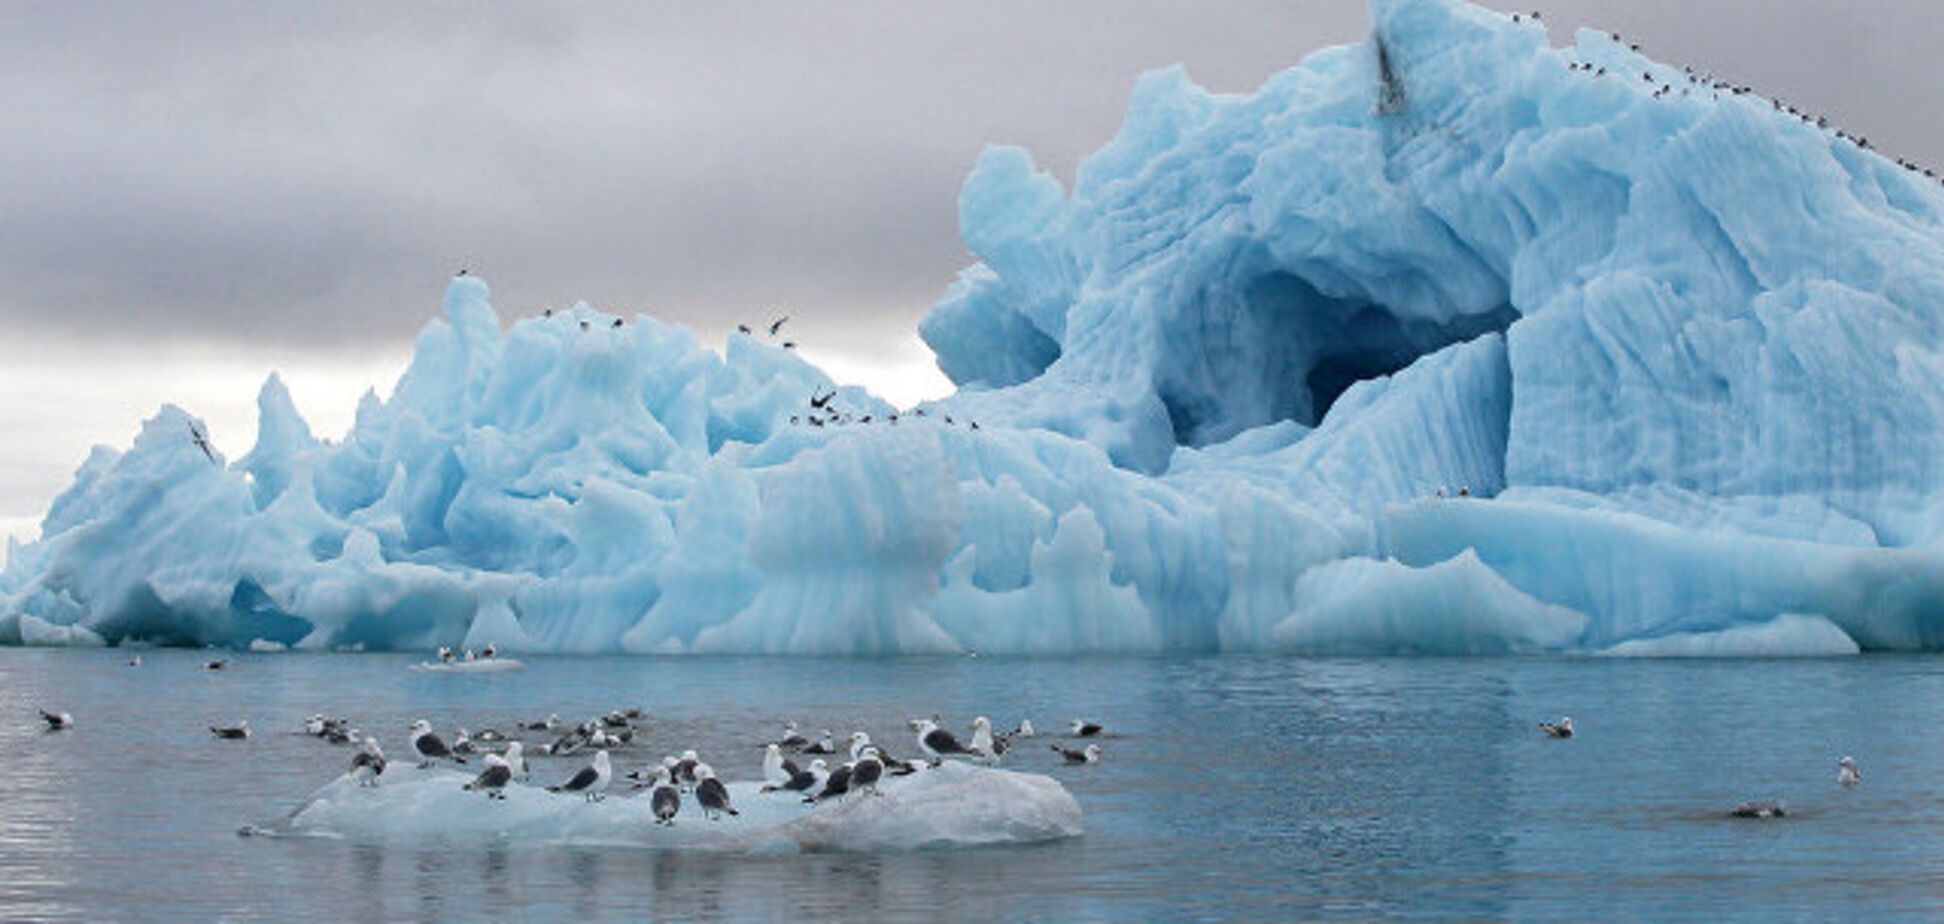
[1237,788]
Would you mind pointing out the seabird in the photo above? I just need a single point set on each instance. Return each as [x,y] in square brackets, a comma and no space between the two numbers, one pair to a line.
[792,740]
[238,732]
[617,322]
[1846,772]
[983,744]
[461,272]
[135,661]
[866,772]
[1090,755]
[804,780]
[552,722]
[666,801]
[789,344]
[836,784]
[515,758]
[368,763]
[1758,810]
[215,665]
[777,324]
[57,721]
[743,329]
[1025,729]
[430,747]
[314,726]
[592,780]
[1084,729]
[489,735]
[1560,729]
[492,780]
[201,440]
[445,655]
[776,770]
[826,746]
[937,742]
[490,651]
[711,794]
[462,743]
[684,769]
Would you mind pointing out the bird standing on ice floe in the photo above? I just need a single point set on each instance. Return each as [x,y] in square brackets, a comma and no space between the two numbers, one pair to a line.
[430,747]
[1846,772]
[983,745]
[684,770]
[515,759]
[592,780]
[493,779]
[1080,728]
[445,655]
[835,784]
[937,742]
[776,770]
[1091,755]
[867,771]
[368,763]
[57,721]
[1560,729]
[238,732]
[665,800]
[711,794]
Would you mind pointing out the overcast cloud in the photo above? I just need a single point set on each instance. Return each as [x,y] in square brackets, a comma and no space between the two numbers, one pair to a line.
[193,194]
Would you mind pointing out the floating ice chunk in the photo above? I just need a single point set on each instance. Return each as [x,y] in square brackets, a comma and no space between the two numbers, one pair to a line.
[1791,635]
[954,805]
[38,633]
[1364,606]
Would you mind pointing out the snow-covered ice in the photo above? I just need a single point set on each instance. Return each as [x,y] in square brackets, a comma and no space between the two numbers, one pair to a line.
[954,805]
[1681,349]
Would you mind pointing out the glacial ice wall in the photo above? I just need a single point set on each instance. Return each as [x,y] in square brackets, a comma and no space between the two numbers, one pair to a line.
[1678,345]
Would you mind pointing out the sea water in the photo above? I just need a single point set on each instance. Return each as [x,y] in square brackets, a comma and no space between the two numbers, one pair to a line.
[1232,788]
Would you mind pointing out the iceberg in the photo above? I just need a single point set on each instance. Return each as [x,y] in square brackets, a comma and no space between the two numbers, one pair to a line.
[954,805]
[1447,341]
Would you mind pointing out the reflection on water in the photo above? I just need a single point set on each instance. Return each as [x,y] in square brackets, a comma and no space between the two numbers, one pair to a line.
[1247,788]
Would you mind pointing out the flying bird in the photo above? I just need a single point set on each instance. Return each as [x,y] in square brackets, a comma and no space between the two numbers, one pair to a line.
[201,440]
[777,324]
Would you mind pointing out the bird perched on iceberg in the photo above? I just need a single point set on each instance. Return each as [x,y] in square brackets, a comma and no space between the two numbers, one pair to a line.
[368,764]
[592,780]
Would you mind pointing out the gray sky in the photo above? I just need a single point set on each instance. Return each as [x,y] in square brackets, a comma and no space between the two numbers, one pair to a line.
[195,194]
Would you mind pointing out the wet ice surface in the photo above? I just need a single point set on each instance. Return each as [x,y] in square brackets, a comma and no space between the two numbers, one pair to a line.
[1234,788]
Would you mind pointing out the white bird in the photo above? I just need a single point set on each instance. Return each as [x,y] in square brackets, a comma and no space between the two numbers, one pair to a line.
[1846,772]
[982,744]
[1025,729]
[314,726]
[592,780]
[515,759]
[711,793]
[776,770]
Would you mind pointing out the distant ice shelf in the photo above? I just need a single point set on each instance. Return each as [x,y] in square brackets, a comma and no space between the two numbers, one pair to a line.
[1669,353]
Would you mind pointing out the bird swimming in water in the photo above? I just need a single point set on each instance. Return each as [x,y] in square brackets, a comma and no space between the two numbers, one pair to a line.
[1847,775]
[1080,728]
[57,721]
[238,732]
[825,746]
[1560,729]
[1090,755]
[1763,810]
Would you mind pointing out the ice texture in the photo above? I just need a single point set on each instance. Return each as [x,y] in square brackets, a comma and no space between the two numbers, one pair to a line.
[1446,341]
[954,805]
